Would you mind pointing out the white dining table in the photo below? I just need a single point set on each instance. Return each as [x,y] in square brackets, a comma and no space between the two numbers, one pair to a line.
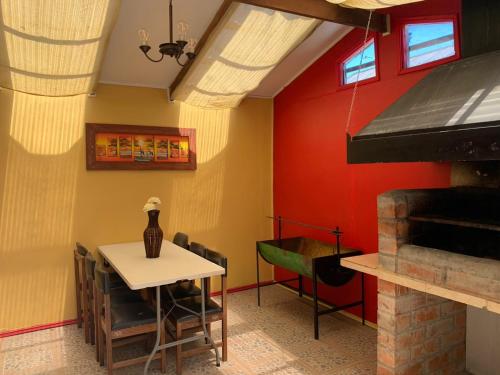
[174,264]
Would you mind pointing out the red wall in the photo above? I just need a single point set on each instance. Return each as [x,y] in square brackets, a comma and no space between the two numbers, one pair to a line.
[312,181]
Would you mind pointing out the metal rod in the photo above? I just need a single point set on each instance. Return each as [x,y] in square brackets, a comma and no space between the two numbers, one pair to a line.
[337,234]
[178,342]
[315,300]
[170,11]
[300,285]
[158,330]
[363,297]
[279,227]
[258,275]
[281,219]
[204,324]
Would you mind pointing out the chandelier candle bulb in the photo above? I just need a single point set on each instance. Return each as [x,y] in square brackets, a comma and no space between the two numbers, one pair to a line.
[171,48]
[191,46]
[182,31]
[144,37]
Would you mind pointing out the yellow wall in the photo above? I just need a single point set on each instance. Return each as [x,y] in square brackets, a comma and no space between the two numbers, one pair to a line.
[48,200]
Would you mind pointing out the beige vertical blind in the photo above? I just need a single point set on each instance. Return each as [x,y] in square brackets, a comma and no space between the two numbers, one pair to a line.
[246,45]
[371,4]
[53,47]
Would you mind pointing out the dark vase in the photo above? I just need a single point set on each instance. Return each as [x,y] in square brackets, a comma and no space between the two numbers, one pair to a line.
[153,235]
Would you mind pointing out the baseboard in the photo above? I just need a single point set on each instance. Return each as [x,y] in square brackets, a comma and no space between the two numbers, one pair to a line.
[40,327]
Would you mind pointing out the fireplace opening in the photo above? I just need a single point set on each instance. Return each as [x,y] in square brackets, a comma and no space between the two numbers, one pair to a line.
[463,220]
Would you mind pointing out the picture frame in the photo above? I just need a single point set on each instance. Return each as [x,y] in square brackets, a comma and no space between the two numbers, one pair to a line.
[137,147]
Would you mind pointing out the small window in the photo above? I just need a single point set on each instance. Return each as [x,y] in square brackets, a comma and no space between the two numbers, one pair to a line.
[428,42]
[361,65]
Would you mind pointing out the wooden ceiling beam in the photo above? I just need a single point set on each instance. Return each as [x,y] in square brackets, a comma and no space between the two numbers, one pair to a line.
[199,46]
[319,9]
[325,11]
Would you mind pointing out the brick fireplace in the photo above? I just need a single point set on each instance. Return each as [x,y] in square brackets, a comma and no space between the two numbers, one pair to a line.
[446,238]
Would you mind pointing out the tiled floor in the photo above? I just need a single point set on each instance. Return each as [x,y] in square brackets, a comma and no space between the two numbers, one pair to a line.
[275,339]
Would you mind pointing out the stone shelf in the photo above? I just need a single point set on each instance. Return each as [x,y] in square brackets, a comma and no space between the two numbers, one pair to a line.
[368,264]
[462,222]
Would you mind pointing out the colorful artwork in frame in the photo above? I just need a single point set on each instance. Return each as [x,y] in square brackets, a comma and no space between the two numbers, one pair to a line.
[140,147]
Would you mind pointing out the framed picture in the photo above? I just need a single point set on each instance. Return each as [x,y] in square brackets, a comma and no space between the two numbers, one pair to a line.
[140,147]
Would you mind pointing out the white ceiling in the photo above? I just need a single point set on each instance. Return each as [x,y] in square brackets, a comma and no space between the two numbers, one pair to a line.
[124,63]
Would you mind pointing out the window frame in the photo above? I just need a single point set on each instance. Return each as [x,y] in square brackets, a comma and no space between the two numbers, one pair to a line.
[421,20]
[351,53]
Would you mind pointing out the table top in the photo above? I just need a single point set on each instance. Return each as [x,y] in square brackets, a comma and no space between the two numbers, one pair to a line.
[175,263]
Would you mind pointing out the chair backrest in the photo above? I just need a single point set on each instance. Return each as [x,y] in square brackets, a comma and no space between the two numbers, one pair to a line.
[198,249]
[90,266]
[217,258]
[82,250]
[102,281]
[181,239]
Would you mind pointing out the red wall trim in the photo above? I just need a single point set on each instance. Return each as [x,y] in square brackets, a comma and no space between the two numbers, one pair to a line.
[42,327]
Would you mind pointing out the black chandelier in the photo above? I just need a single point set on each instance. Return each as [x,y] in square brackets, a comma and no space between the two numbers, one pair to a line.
[172,49]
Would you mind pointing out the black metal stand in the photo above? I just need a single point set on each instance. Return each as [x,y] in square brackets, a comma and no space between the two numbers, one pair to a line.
[317,312]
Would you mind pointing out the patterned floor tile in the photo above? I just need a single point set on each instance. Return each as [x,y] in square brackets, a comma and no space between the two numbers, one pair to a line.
[276,339]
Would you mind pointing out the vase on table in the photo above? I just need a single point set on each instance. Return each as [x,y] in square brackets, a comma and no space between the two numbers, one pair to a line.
[153,235]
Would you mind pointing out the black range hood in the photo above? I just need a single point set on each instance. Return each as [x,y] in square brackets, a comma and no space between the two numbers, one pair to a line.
[453,114]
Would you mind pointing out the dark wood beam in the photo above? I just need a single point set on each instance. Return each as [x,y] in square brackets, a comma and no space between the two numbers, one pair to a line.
[325,11]
[201,43]
[319,9]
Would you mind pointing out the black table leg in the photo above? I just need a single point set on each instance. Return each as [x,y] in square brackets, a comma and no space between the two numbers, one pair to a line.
[300,285]
[315,301]
[363,297]
[258,276]
[159,323]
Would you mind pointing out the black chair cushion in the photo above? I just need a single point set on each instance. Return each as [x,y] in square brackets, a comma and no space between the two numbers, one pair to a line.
[198,249]
[193,303]
[129,315]
[115,281]
[180,290]
[217,258]
[125,295]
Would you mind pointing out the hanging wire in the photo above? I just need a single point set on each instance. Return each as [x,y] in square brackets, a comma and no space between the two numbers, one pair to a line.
[355,90]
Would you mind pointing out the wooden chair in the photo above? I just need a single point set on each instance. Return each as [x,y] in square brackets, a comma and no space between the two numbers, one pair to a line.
[82,307]
[93,311]
[122,316]
[181,239]
[186,288]
[183,320]
[119,294]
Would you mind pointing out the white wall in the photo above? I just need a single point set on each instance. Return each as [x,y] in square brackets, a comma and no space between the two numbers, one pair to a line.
[483,342]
